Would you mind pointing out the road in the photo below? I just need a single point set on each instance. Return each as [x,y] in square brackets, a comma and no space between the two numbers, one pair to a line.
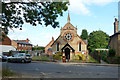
[56,70]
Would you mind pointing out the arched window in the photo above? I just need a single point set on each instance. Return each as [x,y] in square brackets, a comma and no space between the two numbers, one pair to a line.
[57,46]
[79,46]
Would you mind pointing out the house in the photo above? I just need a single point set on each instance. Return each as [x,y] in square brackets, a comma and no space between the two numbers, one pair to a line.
[5,43]
[114,42]
[69,43]
[22,45]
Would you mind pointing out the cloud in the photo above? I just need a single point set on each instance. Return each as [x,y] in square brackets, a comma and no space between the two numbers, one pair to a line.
[81,6]
[78,7]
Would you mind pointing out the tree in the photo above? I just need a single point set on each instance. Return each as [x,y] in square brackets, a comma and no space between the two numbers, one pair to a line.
[97,39]
[84,34]
[15,14]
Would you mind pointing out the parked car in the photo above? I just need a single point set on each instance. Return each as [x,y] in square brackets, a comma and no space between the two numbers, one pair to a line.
[3,58]
[20,57]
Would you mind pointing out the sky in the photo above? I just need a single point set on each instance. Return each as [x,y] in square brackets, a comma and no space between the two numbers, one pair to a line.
[92,15]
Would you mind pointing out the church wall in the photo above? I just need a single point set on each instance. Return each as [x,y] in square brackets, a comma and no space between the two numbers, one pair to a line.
[115,44]
[119,45]
[73,43]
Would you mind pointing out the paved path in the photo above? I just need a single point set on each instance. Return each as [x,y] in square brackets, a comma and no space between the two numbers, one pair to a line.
[62,70]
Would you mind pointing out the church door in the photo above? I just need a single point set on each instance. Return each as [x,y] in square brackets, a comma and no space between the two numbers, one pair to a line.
[67,53]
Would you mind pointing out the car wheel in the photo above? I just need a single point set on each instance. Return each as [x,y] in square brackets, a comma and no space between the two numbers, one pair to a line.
[23,61]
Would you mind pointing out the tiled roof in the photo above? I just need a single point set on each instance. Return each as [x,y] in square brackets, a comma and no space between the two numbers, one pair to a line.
[21,42]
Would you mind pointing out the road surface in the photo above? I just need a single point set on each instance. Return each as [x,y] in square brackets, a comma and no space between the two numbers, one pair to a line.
[56,70]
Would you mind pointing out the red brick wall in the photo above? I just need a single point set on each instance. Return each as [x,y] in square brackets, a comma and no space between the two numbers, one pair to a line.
[24,47]
[6,40]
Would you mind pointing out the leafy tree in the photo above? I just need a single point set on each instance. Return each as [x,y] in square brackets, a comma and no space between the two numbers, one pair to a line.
[84,34]
[15,14]
[38,48]
[97,39]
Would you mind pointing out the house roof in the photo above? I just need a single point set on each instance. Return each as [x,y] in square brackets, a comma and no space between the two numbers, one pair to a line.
[22,42]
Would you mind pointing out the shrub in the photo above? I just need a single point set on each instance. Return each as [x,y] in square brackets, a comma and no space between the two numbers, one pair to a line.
[57,56]
[80,56]
[83,56]
[111,53]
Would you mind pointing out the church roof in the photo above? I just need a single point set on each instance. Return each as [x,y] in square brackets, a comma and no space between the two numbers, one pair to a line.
[55,41]
[82,39]
[68,46]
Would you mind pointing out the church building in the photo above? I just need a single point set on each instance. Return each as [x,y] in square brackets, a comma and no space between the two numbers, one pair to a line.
[69,43]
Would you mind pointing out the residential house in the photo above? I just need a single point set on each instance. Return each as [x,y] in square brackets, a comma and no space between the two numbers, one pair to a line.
[22,45]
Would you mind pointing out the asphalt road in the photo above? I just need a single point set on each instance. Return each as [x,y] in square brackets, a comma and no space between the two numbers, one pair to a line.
[56,70]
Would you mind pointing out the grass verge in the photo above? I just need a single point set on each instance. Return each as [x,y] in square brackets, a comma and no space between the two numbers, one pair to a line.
[89,60]
[41,58]
[6,73]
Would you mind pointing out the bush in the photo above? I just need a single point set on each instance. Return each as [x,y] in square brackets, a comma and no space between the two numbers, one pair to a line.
[80,56]
[112,53]
[83,57]
[57,56]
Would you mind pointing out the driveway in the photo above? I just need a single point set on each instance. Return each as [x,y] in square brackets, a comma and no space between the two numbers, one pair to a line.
[57,70]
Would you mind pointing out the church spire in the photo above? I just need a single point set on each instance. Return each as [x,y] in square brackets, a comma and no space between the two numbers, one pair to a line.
[68,19]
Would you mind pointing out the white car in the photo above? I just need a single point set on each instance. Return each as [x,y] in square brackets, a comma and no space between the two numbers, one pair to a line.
[20,57]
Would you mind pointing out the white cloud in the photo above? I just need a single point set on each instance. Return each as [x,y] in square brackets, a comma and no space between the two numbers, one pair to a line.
[80,6]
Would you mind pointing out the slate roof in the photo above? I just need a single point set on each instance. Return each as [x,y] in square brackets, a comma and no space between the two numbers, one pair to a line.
[21,42]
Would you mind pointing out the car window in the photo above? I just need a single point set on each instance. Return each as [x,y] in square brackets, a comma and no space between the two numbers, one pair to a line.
[15,55]
[20,54]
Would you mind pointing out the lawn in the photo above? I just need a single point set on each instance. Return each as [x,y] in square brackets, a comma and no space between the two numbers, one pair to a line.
[42,58]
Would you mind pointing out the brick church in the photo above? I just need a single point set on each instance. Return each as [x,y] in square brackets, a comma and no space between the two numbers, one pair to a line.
[69,43]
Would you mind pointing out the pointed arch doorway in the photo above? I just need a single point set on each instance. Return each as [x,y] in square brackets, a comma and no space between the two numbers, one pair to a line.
[67,53]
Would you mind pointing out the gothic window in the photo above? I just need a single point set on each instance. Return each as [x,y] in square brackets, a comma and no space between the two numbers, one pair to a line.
[68,27]
[79,46]
[57,46]
[68,36]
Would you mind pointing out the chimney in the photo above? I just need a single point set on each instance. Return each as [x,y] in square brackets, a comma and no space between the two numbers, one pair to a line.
[52,38]
[116,24]
[27,40]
